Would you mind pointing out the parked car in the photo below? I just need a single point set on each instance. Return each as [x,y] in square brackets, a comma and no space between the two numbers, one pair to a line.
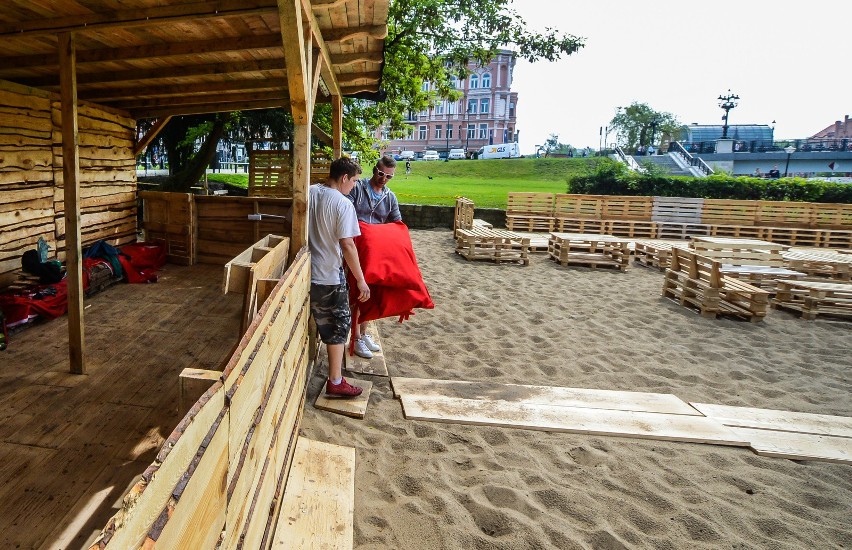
[456,154]
[406,155]
[418,155]
[431,155]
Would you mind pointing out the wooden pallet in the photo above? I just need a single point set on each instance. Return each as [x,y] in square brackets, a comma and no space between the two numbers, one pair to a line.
[729,212]
[463,215]
[681,231]
[653,253]
[699,282]
[492,244]
[580,225]
[833,238]
[535,204]
[819,263]
[762,276]
[783,213]
[579,206]
[589,250]
[678,210]
[813,298]
[743,231]
[628,208]
[530,223]
[836,216]
[632,228]
[793,236]
[481,223]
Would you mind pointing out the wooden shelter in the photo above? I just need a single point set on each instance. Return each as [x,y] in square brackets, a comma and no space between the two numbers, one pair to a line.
[75,76]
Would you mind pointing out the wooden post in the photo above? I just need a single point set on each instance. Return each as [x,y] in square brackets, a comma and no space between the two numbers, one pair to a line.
[337,125]
[71,188]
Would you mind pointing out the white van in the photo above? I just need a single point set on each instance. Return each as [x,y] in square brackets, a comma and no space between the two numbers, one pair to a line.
[499,151]
[456,154]
[406,155]
[431,155]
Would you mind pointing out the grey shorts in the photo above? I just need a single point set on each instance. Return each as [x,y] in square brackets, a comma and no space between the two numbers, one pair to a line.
[330,308]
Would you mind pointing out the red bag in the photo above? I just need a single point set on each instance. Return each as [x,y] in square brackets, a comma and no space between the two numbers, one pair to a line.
[141,261]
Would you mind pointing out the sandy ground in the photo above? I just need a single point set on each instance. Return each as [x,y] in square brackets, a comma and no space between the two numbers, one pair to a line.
[433,485]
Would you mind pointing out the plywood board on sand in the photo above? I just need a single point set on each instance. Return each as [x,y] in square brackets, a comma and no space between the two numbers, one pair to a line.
[375,366]
[355,407]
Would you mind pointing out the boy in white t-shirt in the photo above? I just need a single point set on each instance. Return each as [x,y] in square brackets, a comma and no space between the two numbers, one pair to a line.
[332,224]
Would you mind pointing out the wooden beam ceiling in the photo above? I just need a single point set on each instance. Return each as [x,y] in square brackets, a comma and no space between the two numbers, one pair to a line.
[110,95]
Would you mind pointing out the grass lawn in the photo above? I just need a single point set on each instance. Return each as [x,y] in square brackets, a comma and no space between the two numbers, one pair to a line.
[485,182]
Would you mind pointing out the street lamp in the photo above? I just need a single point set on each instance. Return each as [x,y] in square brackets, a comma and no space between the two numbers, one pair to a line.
[727,103]
[447,158]
[654,123]
[790,150]
[460,131]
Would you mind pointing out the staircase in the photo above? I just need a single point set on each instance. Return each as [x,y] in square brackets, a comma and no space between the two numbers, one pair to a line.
[665,162]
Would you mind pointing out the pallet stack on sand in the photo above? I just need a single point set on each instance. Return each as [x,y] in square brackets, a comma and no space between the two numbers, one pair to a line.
[496,245]
[756,262]
[531,212]
[813,298]
[820,263]
[589,250]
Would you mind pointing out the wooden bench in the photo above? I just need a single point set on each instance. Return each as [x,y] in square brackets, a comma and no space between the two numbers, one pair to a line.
[654,253]
[589,250]
[531,212]
[699,281]
[463,216]
[632,228]
[492,244]
[758,262]
[820,263]
[580,225]
[813,298]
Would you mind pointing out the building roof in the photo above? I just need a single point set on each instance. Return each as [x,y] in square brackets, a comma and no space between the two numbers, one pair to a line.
[155,58]
[743,132]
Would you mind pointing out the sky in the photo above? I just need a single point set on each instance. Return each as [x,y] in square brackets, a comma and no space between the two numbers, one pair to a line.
[788,61]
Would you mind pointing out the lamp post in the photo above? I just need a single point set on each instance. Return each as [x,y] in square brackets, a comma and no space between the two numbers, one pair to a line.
[654,123]
[447,158]
[727,103]
[460,131]
[790,150]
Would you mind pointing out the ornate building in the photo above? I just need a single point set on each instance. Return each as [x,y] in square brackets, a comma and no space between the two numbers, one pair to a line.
[486,113]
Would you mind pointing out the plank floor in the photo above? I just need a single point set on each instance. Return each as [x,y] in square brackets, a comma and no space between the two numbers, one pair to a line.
[71,445]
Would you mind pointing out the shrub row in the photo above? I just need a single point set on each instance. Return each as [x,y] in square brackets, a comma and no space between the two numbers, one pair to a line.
[612,178]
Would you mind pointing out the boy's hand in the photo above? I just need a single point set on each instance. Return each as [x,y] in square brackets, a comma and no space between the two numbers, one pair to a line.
[363,291]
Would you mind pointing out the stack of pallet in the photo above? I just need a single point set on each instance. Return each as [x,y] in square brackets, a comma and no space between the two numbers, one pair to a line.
[679,218]
[589,250]
[479,243]
[531,212]
[820,263]
[813,298]
[463,216]
[757,262]
[698,281]
[654,253]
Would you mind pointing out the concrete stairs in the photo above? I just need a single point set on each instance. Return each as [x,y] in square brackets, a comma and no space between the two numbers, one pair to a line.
[665,162]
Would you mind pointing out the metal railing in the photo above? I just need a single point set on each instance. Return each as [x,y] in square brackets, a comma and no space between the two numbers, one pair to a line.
[767,146]
[676,147]
[628,160]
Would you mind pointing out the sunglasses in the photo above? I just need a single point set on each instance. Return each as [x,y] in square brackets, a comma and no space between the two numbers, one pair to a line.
[383,175]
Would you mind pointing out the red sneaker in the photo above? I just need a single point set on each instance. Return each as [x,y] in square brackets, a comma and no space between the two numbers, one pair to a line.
[344,389]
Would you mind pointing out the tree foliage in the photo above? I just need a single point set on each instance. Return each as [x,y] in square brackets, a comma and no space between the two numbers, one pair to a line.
[635,125]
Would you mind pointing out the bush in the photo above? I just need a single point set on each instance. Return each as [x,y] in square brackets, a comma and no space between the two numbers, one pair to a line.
[613,178]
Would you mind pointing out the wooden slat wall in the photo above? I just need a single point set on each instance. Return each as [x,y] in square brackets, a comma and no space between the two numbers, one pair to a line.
[270,174]
[170,218]
[31,196]
[225,466]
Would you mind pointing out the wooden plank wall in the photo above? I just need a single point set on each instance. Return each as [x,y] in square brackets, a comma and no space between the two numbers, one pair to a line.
[31,194]
[170,218]
[222,472]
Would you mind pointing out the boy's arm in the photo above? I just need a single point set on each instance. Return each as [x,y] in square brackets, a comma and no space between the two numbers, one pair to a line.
[350,254]
[394,215]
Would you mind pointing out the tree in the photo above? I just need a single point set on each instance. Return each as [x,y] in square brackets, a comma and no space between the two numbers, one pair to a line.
[635,125]
[551,145]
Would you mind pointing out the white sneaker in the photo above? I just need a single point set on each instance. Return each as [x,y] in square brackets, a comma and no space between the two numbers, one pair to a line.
[368,340]
[362,350]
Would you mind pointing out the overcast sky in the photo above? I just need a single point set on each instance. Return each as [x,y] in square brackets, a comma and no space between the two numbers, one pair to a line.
[788,61]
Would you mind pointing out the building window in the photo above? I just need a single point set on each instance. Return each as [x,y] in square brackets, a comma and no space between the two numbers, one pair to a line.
[484,105]
[483,131]
[471,131]
[424,87]
[486,80]
[424,112]
[422,131]
[511,109]
[439,108]
[438,131]
[454,82]
[451,108]
[449,132]
[471,106]
[474,82]
[385,134]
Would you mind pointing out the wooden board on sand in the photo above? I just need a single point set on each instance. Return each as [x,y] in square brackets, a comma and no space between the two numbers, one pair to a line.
[375,366]
[798,446]
[355,407]
[784,421]
[543,395]
[667,427]
[318,509]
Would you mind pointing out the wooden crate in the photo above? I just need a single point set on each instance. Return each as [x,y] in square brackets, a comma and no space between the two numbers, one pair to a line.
[618,207]
[579,225]
[677,210]
[794,236]
[813,298]
[492,244]
[654,253]
[729,212]
[784,214]
[699,282]
[631,228]
[578,206]
[589,250]
[681,231]
[820,263]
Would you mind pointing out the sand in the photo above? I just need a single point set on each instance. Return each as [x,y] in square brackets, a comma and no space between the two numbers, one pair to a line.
[434,485]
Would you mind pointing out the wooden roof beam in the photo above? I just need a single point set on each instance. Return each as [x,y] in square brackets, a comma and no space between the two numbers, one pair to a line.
[349,79]
[150,135]
[163,72]
[156,15]
[205,108]
[328,4]
[108,95]
[158,51]
[379,32]
[352,58]
[212,99]
[327,71]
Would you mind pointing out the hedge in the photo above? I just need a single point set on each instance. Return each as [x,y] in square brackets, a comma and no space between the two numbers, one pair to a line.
[614,179]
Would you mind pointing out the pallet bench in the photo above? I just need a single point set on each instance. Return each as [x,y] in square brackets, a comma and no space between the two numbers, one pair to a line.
[654,253]
[820,263]
[589,250]
[492,244]
[813,298]
[531,212]
[757,262]
[699,282]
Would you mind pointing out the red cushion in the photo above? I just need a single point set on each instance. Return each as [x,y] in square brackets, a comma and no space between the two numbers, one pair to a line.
[387,256]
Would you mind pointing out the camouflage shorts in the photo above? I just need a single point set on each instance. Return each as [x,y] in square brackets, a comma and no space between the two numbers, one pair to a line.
[330,308]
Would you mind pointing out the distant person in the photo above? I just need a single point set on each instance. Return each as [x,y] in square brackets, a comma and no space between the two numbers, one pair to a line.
[407,167]
[374,204]
[775,173]
[651,150]
[332,224]
[758,173]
